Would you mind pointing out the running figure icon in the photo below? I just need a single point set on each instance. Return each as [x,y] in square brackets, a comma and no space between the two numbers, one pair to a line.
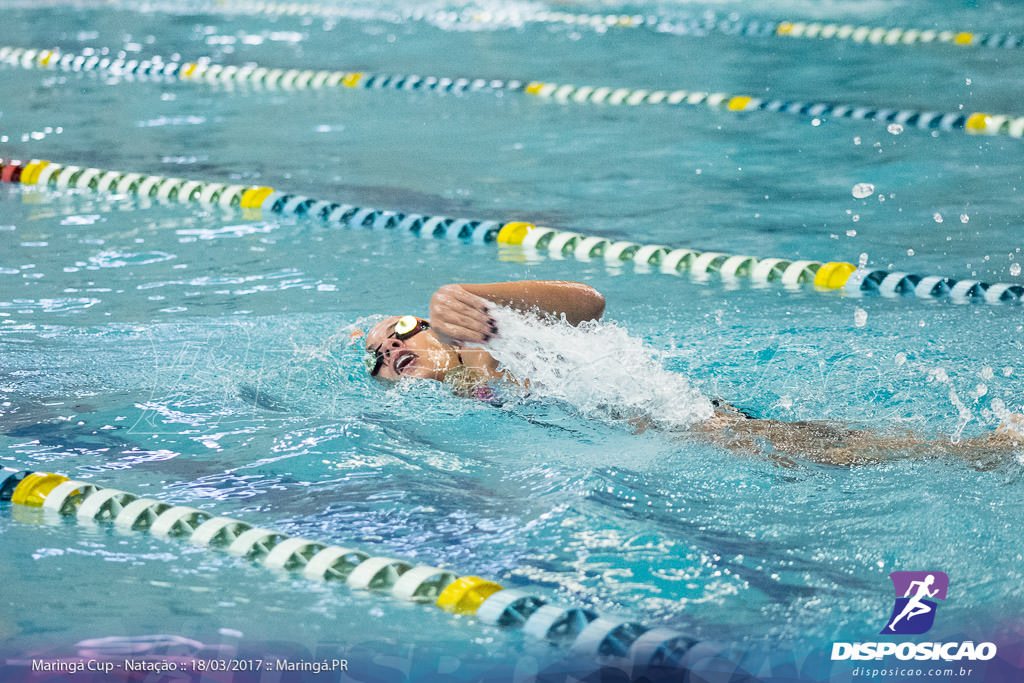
[914,590]
[914,606]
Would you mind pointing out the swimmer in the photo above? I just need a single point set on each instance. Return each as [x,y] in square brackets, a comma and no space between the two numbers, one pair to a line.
[411,347]
[405,346]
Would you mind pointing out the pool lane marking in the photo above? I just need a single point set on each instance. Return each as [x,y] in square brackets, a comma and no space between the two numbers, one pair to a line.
[815,30]
[976,123]
[524,237]
[581,632]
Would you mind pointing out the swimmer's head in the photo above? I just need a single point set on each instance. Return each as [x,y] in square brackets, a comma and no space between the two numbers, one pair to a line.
[405,346]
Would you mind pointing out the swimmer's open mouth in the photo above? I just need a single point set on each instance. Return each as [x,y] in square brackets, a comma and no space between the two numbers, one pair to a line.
[404,360]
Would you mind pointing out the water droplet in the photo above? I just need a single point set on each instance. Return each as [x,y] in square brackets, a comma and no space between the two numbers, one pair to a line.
[910,252]
[815,122]
[856,141]
[937,217]
[862,262]
[853,233]
[964,218]
[856,218]
[967,81]
[860,317]
[895,128]
[863,190]
[1015,269]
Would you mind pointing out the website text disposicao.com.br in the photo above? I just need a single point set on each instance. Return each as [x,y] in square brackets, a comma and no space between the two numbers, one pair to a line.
[870,672]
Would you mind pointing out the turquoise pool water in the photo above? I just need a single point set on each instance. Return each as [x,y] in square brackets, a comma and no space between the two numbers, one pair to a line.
[131,331]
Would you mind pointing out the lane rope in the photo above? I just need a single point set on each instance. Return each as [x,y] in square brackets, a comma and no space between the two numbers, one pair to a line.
[709,23]
[579,631]
[976,123]
[529,239]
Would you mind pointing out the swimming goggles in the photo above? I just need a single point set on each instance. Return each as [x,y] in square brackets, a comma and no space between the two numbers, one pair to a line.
[405,327]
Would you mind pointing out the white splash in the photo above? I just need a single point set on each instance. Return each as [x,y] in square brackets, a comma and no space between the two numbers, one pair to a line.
[598,368]
[862,190]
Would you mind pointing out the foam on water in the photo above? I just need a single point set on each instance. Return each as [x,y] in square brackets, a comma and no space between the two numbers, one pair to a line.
[598,368]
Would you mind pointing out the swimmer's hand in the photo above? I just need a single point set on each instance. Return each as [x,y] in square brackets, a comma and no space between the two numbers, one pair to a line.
[458,317]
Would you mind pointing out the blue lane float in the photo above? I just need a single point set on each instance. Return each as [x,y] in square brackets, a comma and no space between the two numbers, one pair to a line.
[972,123]
[528,239]
[695,26]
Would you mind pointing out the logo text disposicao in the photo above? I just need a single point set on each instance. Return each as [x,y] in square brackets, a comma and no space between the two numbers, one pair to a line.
[949,652]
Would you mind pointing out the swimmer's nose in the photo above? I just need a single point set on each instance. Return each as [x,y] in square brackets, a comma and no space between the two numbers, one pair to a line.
[390,346]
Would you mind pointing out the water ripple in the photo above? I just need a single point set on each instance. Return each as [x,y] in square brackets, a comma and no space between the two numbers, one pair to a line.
[51,305]
[212,281]
[119,259]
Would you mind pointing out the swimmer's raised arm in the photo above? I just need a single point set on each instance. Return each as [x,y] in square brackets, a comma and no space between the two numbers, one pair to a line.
[460,311]
[576,301]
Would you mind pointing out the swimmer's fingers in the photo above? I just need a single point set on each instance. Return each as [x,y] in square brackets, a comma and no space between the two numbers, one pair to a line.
[453,335]
[459,331]
[458,316]
[783,461]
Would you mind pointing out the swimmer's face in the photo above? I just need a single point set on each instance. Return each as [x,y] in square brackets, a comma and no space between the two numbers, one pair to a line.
[417,353]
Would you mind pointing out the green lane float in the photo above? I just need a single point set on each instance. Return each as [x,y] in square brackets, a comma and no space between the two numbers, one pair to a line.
[976,123]
[580,632]
[536,240]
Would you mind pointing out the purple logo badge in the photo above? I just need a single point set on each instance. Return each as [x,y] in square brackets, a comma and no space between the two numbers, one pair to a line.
[916,595]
